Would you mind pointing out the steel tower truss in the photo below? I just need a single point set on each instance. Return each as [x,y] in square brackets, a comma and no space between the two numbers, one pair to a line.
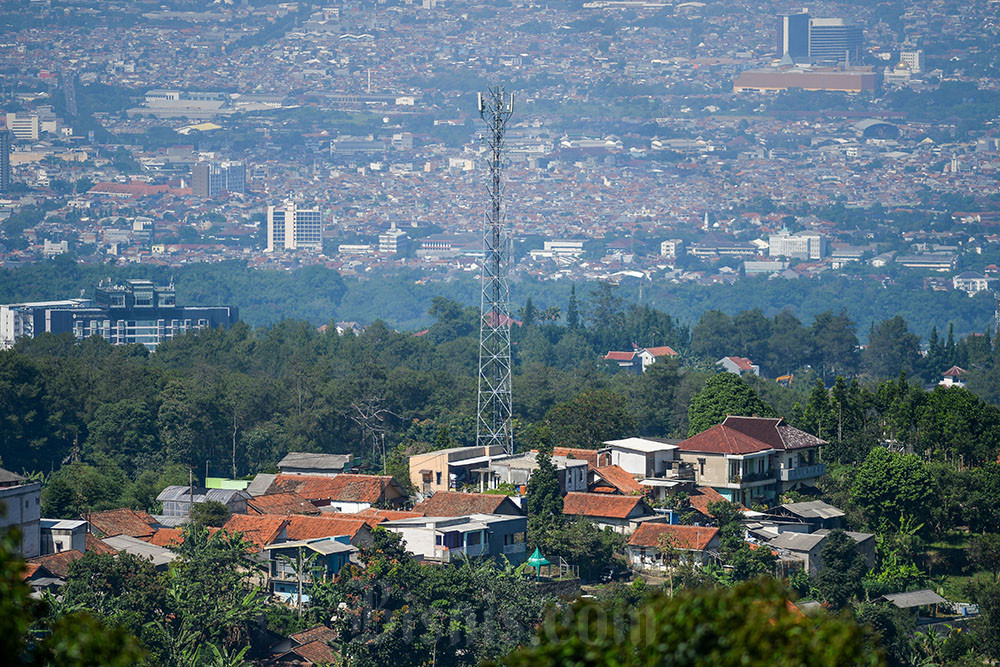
[493,425]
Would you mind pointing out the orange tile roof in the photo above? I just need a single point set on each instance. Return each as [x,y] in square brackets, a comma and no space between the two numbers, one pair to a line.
[301,527]
[702,496]
[601,505]
[30,569]
[343,487]
[663,350]
[456,503]
[619,356]
[287,502]
[588,455]
[694,538]
[167,537]
[374,517]
[122,521]
[259,530]
[621,480]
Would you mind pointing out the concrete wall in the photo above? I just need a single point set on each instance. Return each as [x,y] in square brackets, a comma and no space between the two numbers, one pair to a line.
[21,507]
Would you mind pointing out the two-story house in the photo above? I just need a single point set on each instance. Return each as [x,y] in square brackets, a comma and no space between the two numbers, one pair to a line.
[654,462]
[516,470]
[749,459]
[444,539]
[294,567]
[451,469]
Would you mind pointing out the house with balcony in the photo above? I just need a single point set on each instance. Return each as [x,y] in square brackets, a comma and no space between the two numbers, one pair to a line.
[446,539]
[753,459]
[515,471]
[654,462]
[451,469]
[305,562]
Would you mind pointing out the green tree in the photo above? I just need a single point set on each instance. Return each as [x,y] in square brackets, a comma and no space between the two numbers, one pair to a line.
[818,417]
[833,343]
[982,506]
[984,552]
[75,639]
[572,310]
[892,348]
[749,625]
[545,501]
[892,489]
[210,513]
[713,336]
[839,580]
[591,418]
[724,394]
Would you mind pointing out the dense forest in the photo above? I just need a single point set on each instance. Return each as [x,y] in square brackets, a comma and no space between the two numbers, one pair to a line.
[318,295]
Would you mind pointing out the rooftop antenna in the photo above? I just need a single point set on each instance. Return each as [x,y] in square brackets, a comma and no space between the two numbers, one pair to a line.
[493,423]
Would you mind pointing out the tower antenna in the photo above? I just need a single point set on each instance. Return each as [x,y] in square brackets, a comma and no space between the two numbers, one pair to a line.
[493,423]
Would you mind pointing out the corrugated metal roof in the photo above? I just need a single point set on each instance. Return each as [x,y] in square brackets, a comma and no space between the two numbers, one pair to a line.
[913,598]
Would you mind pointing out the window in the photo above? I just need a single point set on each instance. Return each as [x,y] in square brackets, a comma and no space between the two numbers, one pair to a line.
[438,478]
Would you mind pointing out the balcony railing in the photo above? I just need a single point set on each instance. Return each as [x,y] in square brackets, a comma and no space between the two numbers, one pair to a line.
[753,477]
[803,472]
[445,554]
[516,548]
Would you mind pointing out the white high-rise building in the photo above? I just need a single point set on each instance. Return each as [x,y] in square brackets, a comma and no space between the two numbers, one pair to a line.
[392,241]
[801,245]
[914,60]
[294,228]
[25,126]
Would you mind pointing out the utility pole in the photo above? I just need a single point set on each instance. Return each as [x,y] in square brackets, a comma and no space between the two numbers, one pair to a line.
[493,424]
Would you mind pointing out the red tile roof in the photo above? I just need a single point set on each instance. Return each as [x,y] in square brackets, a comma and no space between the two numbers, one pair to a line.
[288,502]
[722,440]
[122,522]
[621,480]
[97,545]
[454,503]
[742,363]
[259,530]
[620,356]
[664,350]
[316,653]
[954,372]
[301,527]
[693,538]
[167,537]
[58,564]
[588,455]
[601,505]
[319,633]
[343,487]
[702,496]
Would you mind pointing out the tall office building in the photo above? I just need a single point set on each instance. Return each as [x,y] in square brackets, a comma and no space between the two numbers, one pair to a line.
[836,40]
[914,60]
[6,139]
[294,228]
[209,179]
[25,126]
[793,35]
[135,312]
